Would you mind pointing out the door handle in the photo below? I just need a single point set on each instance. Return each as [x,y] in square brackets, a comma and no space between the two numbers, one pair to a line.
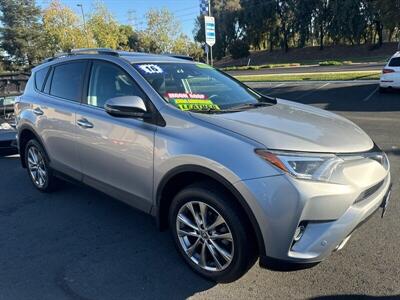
[84,123]
[37,111]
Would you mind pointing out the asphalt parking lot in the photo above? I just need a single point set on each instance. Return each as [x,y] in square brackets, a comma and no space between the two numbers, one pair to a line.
[80,244]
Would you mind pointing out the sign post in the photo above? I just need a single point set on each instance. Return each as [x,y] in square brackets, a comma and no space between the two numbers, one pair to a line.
[209,25]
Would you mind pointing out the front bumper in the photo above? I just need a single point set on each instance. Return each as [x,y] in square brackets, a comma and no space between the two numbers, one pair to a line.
[331,212]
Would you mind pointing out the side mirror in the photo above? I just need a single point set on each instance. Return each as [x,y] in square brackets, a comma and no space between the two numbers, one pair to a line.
[127,107]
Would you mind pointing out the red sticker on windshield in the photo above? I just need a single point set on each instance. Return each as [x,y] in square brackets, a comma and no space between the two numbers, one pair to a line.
[185,96]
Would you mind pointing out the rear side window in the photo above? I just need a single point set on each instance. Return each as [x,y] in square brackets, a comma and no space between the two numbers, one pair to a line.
[68,80]
[395,62]
[40,77]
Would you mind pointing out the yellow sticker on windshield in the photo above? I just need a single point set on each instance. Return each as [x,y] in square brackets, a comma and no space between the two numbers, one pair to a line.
[191,101]
[195,104]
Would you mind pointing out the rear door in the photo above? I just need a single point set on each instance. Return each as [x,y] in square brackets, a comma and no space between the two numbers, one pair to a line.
[116,153]
[60,98]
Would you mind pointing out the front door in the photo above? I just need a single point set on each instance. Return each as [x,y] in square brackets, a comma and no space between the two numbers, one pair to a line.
[116,153]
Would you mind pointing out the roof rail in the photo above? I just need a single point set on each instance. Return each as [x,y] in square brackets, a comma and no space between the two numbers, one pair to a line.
[181,56]
[81,51]
[106,51]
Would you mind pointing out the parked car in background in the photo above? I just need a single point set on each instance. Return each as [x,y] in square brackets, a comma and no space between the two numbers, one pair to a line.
[390,78]
[8,144]
[7,107]
[235,175]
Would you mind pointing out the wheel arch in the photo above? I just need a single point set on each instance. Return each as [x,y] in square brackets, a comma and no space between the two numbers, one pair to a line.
[179,177]
[26,133]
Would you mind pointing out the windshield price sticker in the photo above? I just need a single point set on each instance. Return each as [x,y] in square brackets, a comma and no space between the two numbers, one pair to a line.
[198,104]
[151,69]
[186,96]
[191,101]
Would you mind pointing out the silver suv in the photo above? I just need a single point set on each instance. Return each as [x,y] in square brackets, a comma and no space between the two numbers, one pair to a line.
[234,174]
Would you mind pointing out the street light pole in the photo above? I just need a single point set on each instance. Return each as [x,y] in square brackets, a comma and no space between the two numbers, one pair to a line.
[84,24]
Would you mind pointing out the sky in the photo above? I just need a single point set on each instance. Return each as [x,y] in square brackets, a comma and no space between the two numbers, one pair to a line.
[133,11]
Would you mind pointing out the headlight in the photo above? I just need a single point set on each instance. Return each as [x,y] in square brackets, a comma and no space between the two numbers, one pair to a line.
[304,166]
[315,166]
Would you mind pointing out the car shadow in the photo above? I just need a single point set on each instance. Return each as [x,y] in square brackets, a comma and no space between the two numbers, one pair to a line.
[79,243]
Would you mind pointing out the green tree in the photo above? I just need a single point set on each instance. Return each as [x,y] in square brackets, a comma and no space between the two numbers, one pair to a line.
[104,28]
[63,30]
[303,11]
[260,23]
[21,31]
[321,18]
[129,39]
[227,30]
[161,32]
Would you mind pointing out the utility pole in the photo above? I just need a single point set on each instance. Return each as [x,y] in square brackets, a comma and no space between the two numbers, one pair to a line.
[209,14]
[84,24]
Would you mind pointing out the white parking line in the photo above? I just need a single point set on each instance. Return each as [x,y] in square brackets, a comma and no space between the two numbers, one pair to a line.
[312,91]
[281,84]
[370,95]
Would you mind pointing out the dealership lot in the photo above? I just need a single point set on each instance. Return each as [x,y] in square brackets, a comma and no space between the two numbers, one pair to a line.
[80,244]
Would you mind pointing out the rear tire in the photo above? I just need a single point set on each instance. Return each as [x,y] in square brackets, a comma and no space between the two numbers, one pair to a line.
[222,253]
[38,167]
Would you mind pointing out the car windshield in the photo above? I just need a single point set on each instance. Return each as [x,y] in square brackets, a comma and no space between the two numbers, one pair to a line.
[200,88]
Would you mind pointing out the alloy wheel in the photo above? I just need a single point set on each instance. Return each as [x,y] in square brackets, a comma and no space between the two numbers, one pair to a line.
[37,167]
[205,236]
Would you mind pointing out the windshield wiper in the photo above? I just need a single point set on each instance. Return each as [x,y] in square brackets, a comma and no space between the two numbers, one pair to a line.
[213,111]
[236,108]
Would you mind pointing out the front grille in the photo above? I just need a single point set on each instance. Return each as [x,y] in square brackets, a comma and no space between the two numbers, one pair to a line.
[369,192]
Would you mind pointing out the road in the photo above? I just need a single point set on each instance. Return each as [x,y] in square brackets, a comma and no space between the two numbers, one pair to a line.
[80,244]
[312,69]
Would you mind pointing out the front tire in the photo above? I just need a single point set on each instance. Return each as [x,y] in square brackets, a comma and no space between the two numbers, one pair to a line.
[211,233]
[37,164]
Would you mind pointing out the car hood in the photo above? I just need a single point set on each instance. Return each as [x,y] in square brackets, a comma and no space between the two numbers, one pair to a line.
[296,127]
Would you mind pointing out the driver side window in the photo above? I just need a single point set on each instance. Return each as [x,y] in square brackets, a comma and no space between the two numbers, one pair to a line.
[109,81]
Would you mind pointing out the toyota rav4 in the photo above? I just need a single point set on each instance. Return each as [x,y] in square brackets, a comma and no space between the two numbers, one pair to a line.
[234,174]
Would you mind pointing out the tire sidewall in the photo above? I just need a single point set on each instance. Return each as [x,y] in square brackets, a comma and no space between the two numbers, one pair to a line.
[219,202]
[34,143]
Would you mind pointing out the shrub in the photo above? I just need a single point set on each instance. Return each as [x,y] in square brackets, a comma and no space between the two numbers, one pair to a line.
[239,49]
[330,63]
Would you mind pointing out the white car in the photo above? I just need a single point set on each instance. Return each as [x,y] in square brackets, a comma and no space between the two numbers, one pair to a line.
[390,78]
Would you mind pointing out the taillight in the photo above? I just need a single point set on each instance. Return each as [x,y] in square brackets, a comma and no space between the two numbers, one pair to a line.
[385,71]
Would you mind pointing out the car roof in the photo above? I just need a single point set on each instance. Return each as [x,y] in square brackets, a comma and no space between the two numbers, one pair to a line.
[139,57]
[397,54]
[132,57]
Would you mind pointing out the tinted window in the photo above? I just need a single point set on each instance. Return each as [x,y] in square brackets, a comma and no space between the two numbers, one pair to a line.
[40,77]
[68,80]
[108,81]
[395,62]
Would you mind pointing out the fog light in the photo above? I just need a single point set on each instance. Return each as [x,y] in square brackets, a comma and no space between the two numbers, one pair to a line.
[299,231]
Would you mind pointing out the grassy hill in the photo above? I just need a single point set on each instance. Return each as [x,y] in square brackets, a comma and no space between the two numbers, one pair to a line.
[312,55]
